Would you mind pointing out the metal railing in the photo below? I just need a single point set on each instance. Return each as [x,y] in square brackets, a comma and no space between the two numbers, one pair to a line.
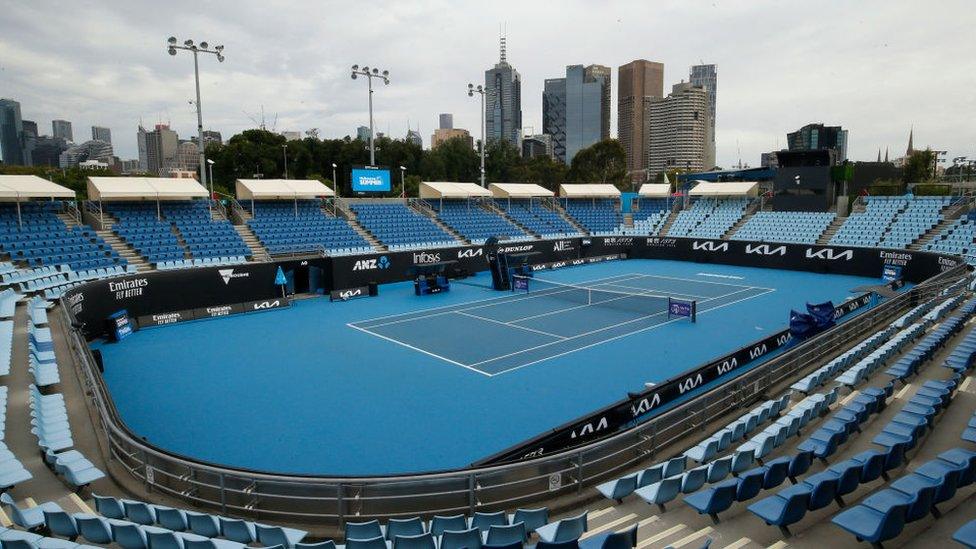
[329,501]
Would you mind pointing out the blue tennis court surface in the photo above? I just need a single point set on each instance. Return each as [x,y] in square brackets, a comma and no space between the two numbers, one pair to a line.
[400,383]
[529,327]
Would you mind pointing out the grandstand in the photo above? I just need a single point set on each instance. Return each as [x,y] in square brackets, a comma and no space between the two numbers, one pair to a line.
[715,209]
[794,227]
[287,217]
[595,207]
[468,210]
[650,210]
[397,226]
[865,435]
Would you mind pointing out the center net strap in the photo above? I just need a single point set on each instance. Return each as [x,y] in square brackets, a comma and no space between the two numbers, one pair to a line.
[644,303]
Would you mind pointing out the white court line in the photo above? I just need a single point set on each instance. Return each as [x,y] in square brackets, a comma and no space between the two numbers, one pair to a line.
[503,300]
[639,289]
[419,350]
[645,293]
[622,324]
[601,342]
[696,281]
[492,320]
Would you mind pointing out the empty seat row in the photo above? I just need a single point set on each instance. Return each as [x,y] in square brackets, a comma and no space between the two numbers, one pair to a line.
[823,442]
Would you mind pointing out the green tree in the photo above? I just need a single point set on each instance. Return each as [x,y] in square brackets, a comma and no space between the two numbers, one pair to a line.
[541,170]
[502,158]
[919,167]
[603,162]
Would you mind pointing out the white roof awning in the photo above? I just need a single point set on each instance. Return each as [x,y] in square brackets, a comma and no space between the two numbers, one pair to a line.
[731,188]
[654,190]
[441,189]
[281,189]
[144,188]
[588,190]
[25,187]
[518,190]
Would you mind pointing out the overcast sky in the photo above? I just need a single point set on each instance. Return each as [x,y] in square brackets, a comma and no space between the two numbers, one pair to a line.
[874,67]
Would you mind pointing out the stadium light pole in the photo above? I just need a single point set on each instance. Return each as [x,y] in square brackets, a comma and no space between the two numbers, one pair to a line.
[210,164]
[335,184]
[480,90]
[284,152]
[188,45]
[403,182]
[370,74]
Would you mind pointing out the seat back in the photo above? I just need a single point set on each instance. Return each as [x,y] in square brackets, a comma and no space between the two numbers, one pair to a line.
[508,533]
[440,524]
[420,541]
[484,521]
[459,539]
[139,512]
[94,529]
[171,519]
[163,540]
[750,483]
[364,530]
[571,544]
[571,528]
[621,540]
[404,527]
[237,530]
[373,543]
[537,518]
[60,523]
[129,535]
[109,507]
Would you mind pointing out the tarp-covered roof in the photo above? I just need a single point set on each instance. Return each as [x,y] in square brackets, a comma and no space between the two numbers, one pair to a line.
[731,188]
[518,190]
[144,188]
[655,190]
[271,189]
[444,189]
[589,190]
[21,187]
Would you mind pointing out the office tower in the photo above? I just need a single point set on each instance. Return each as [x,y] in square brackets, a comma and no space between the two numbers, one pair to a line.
[62,129]
[187,156]
[706,76]
[576,109]
[503,100]
[413,136]
[12,141]
[554,115]
[537,145]
[362,133]
[443,134]
[100,133]
[635,81]
[162,147]
[95,151]
[678,129]
[446,121]
[142,143]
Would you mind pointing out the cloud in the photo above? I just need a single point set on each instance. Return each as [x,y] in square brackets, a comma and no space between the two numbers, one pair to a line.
[874,67]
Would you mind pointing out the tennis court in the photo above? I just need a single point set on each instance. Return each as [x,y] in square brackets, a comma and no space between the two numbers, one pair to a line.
[353,387]
[551,319]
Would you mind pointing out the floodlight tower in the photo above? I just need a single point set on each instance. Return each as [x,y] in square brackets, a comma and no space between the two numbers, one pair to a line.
[480,90]
[188,45]
[370,74]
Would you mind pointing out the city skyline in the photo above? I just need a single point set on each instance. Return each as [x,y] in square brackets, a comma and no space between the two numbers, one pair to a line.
[864,68]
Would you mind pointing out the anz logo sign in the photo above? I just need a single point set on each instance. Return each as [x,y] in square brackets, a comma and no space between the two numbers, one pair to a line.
[590,428]
[645,405]
[710,246]
[830,254]
[381,262]
[765,249]
[689,383]
[470,252]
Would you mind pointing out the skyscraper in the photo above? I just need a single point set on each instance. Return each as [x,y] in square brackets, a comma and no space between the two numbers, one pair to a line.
[706,76]
[554,115]
[12,143]
[503,100]
[30,141]
[96,150]
[62,129]
[142,142]
[677,129]
[636,80]
[162,148]
[362,133]
[576,109]
[446,121]
[100,133]
[819,137]
[413,136]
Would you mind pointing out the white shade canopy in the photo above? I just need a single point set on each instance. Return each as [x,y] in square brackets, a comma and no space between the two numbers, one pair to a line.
[518,190]
[22,187]
[731,188]
[144,188]
[443,189]
[654,190]
[281,189]
[589,190]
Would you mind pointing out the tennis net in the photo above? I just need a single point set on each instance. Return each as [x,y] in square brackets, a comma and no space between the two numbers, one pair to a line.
[643,303]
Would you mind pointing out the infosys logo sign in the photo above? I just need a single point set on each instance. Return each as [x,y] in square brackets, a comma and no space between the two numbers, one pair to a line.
[227,274]
[426,258]
[381,262]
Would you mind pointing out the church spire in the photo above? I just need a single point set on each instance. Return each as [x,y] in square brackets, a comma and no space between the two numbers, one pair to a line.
[886,154]
[879,155]
[911,136]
